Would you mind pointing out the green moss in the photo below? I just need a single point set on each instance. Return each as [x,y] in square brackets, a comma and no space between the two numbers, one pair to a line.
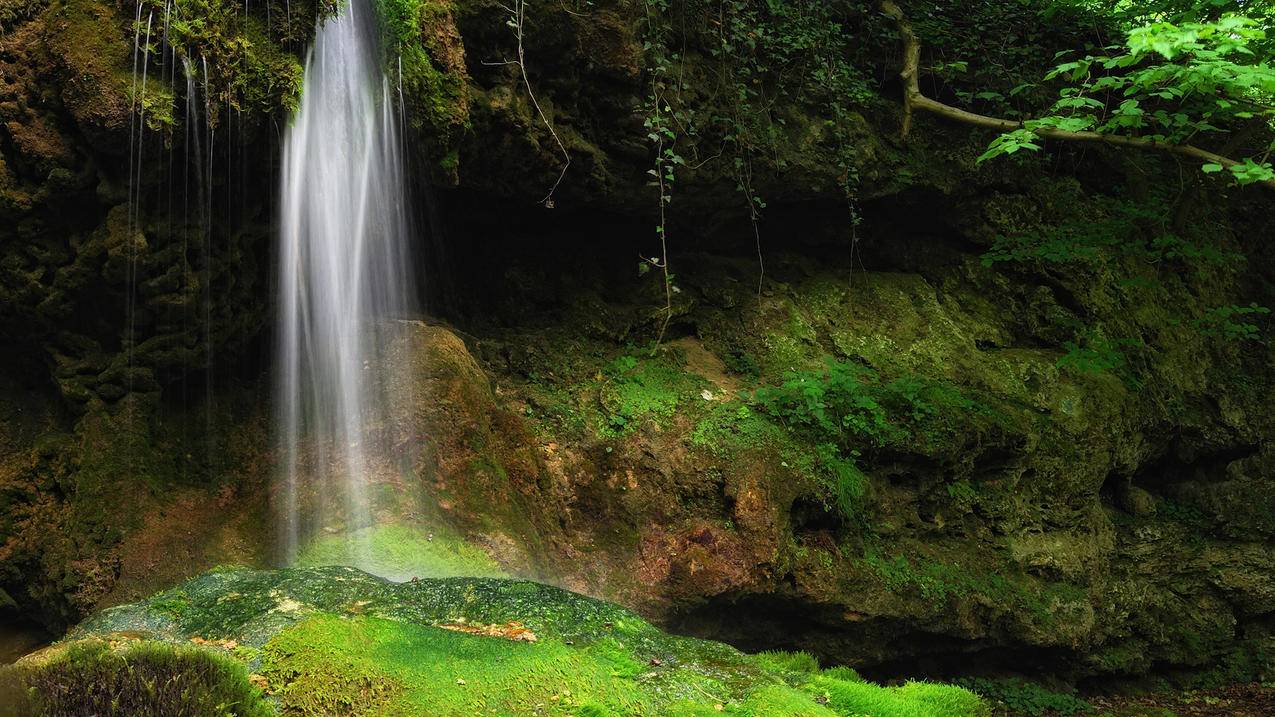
[271,78]
[941,584]
[158,105]
[635,390]
[913,698]
[336,640]
[414,669]
[788,661]
[585,395]
[785,701]
[734,425]
[174,603]
[400,552]
[425,56]
[144,679]
[366,665]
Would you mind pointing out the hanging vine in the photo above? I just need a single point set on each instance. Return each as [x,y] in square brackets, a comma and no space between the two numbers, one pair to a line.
[659,125]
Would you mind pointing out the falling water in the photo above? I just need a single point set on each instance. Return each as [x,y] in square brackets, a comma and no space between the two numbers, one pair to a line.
[343,259]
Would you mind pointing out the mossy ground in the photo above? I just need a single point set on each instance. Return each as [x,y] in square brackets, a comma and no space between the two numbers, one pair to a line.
[334,640]
[399,551]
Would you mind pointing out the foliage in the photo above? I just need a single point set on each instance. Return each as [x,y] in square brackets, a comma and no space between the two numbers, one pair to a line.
[434,98]
[1028,698]
[834,403]
[988,55]
[236,58]
[1108,227]
[1169,83]
[845,408]
[934,581]
[1188,515]
[767,54]
[659,123]
[1232,323]
[962,494]
[143,680]
[1249,661]
[638,389]
[847,404]
[1092,353]
[725,78]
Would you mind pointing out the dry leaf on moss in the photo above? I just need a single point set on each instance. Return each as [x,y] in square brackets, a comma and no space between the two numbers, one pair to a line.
[515,631]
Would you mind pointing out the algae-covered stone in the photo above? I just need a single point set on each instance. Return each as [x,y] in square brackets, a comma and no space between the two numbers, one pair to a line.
[339,641]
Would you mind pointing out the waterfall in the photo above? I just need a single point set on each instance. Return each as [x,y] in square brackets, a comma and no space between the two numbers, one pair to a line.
[343,279]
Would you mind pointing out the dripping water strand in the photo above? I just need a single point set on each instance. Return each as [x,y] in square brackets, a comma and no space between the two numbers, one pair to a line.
[206,199]
[128,236]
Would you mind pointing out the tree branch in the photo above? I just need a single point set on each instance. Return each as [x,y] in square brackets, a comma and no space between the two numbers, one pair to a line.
[913,100]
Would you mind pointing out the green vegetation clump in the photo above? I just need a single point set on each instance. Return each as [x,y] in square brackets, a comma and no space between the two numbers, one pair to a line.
[1106,228]
[614,397]
[1027,698]
[1094,354]
[941,583]
[1232,323]
[845,409]
[424,59]
[850,405]
[637,390]
[383,667]
[144,679]
[239,58]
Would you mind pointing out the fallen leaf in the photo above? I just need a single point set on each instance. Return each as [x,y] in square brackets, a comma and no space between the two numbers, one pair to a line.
[224,644]
[515,631]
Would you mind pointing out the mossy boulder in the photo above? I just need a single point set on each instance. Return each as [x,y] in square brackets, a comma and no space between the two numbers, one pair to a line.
[318,641]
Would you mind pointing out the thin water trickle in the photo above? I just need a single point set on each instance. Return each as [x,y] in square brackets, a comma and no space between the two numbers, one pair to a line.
[343,274]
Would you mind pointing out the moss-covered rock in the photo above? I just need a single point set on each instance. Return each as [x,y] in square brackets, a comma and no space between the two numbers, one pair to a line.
[325,640]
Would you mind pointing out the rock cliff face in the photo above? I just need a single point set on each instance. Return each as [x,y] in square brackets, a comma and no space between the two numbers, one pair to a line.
[1008,412]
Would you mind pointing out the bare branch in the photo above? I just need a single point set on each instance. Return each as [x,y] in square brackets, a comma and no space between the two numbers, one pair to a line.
[517,14]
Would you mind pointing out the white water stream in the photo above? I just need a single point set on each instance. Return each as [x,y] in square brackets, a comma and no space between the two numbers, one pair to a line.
[344,235]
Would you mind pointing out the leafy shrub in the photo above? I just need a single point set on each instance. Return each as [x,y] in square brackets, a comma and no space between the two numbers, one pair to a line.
[1028,698]
[962,494]
[148,679]
[1231,323]
[1092,354]
[832,404]
[845,407]
[1111,227]
[844,403]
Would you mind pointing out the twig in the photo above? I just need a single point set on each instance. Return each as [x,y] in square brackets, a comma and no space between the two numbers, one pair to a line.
[517,15]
